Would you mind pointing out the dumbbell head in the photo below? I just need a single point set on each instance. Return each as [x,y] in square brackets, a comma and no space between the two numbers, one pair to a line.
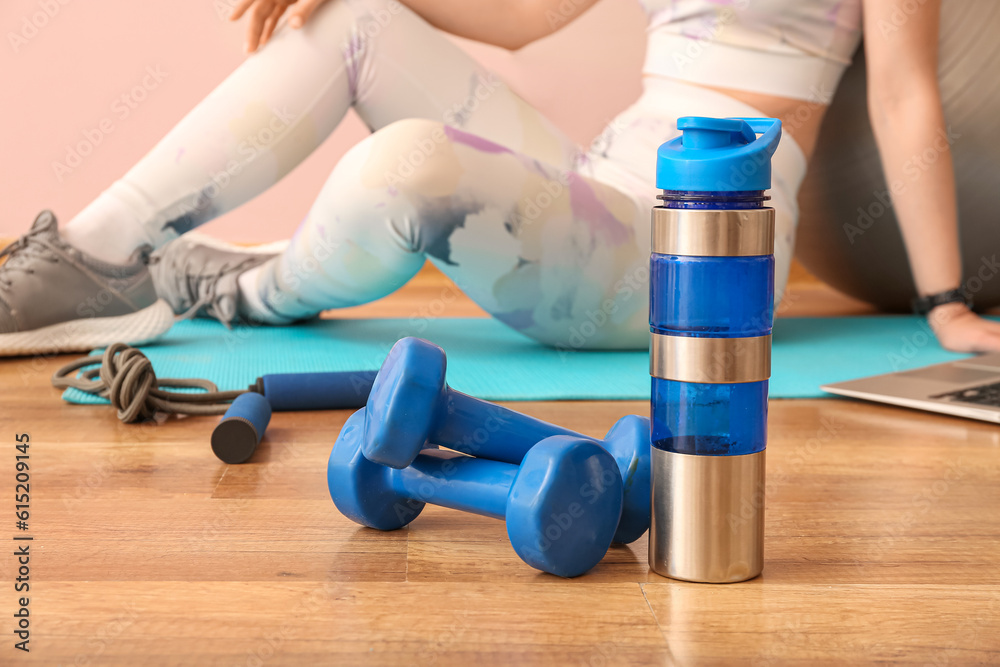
[564,505]
[404,402]
[362,490]
[628,442]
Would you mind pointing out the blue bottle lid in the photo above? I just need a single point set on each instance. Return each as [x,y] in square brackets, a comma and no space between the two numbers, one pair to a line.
[718,155]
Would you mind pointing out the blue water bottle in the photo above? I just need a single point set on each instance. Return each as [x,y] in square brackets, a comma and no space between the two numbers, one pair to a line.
[710,312]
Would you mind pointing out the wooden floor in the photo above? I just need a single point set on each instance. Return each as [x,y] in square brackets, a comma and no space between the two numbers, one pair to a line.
[883,545]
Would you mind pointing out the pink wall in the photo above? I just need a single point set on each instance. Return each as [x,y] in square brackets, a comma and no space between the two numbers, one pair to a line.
[66,64]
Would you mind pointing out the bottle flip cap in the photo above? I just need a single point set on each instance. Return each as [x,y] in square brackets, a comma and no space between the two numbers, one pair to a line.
[718,155]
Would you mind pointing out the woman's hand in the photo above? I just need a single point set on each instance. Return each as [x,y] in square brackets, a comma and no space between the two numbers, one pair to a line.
[265,14]
[960,330]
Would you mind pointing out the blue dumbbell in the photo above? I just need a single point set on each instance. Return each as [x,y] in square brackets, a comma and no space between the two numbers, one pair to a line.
[561,505]
[411,407]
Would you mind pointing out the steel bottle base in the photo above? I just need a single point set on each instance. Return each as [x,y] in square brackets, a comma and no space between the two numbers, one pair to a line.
[708,517]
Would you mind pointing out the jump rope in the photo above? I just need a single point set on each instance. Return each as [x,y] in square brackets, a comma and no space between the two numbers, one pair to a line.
[125,377]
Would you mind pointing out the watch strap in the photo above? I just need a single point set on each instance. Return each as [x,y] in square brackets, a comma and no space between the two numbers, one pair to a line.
[925,304]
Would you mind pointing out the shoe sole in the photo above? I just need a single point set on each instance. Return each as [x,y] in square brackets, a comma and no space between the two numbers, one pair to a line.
[85,334]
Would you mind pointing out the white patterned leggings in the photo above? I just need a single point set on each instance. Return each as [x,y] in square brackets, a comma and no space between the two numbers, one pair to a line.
[549,238]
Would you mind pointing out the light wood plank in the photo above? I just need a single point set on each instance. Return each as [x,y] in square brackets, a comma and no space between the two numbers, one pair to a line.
[883,545]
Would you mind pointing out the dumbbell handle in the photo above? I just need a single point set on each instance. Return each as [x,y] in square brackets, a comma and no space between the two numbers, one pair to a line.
[315,391]
[478,486]
[507,436]
[487,430]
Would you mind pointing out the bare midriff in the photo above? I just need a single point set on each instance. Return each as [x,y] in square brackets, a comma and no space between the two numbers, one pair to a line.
[799,118]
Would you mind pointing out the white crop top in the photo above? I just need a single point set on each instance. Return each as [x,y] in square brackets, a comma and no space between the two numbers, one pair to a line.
[788,48]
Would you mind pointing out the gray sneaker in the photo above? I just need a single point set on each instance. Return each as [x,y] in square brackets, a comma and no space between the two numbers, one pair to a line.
[197,275]
[54,298]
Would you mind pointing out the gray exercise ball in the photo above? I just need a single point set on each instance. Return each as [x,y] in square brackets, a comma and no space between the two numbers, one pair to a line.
[848,235]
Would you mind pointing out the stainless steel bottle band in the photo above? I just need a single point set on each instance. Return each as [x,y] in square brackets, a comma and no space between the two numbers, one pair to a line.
[710,360]
[712,233]
[708,516]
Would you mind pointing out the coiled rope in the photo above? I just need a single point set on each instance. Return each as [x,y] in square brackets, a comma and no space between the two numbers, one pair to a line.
[126,378]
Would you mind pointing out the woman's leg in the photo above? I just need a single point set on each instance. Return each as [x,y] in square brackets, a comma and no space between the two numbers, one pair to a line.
[556,255]
[279,105]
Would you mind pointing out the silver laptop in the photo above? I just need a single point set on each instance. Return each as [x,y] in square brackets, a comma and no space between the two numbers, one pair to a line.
[966,388]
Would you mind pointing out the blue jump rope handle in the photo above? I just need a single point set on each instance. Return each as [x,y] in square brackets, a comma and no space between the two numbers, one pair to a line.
[317,391]
[236,437]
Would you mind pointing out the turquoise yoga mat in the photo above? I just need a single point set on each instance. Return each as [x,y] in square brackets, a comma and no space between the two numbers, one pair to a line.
[488,360]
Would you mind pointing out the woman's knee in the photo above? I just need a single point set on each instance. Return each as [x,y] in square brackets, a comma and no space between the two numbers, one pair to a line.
[409,157]
[381,191]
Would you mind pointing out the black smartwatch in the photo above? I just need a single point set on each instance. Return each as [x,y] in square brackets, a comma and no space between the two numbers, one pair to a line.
[925,304]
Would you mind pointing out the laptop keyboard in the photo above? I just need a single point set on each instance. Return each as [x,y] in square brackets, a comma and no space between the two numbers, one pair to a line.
[986,394]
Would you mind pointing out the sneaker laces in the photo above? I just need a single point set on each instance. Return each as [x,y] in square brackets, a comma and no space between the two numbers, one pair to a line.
[19,254]
[202,292]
